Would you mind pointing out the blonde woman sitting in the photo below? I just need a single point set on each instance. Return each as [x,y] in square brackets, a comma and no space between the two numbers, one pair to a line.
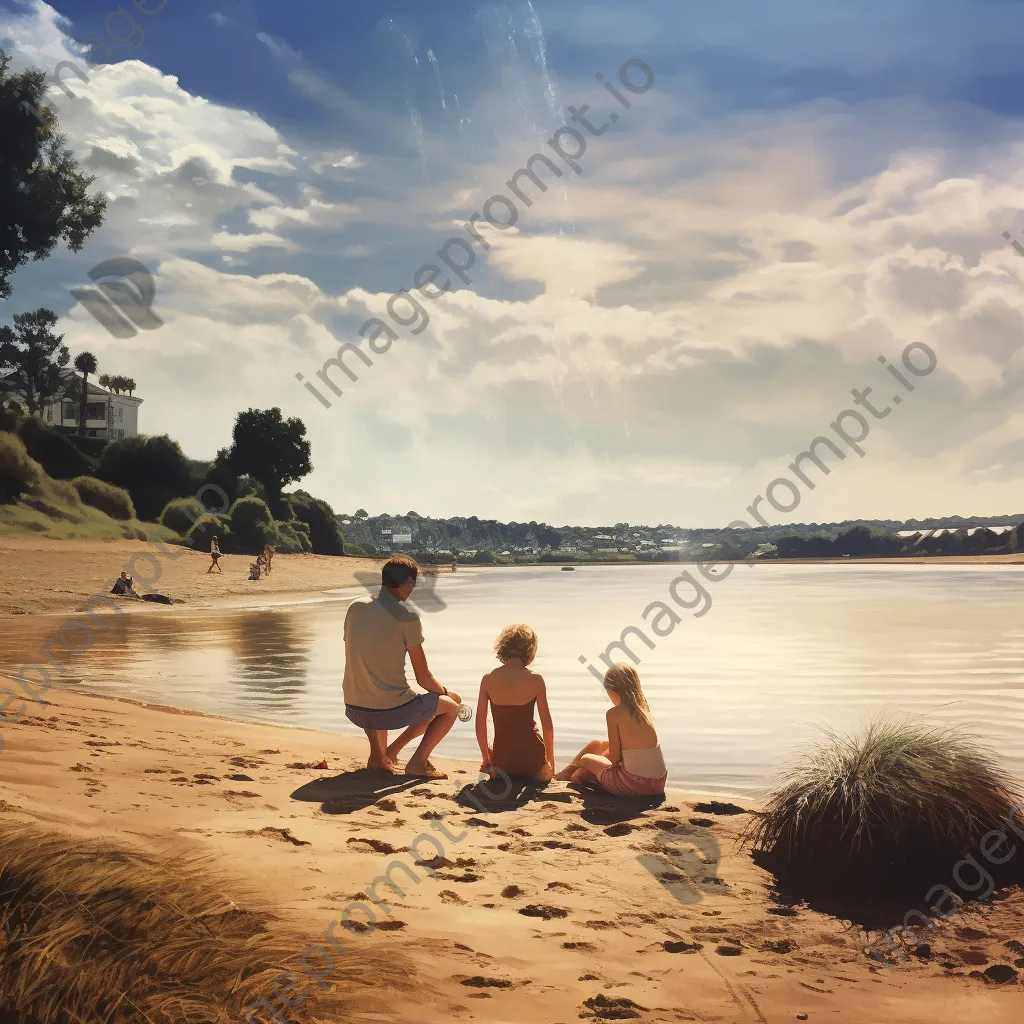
[630,763]
[511,693]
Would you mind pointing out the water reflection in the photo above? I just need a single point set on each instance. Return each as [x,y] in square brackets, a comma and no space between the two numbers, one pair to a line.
[271,656]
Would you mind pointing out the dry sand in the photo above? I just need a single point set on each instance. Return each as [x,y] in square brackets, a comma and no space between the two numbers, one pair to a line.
[551,912]
[41,575]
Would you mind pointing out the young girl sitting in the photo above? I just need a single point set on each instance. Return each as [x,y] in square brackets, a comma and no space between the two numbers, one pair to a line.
[512,692]
[630,763]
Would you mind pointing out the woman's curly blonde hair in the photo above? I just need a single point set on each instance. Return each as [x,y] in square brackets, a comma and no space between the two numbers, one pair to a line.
[516,641]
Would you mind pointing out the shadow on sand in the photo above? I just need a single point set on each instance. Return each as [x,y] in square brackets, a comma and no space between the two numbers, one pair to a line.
[598,807]
[352,791]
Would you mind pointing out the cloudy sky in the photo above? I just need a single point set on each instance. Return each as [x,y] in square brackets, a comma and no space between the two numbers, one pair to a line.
[806,186]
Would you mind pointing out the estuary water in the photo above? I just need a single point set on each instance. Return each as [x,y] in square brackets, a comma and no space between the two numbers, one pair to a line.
[779,652]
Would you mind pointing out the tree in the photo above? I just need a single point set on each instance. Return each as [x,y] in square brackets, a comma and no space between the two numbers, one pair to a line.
[153,470]
[85,363]
[117,383]
[43,195]
[34,358]
[361,513]
[271,449]
[325,534]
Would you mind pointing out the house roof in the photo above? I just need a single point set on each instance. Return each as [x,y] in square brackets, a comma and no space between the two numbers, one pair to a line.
[96,391]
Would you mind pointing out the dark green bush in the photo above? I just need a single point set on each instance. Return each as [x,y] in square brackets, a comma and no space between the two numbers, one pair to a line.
[356,550]
[152,470]
[324,532]
[289,538]
[115,501]
[181,514]
[206,528]
[10,418]
[252,526]
[19,473]
[93,447]
[53,451]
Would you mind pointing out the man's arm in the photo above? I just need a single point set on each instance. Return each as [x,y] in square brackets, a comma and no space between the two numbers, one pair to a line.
[424,676]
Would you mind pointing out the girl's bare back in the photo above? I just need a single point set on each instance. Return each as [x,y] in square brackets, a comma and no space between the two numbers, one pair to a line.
[634,734]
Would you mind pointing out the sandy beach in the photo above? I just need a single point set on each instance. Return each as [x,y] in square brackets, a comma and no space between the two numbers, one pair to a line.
[41,575]
[564,908]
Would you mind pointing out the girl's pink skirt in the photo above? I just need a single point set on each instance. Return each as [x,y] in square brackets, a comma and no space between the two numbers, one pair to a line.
[617,781]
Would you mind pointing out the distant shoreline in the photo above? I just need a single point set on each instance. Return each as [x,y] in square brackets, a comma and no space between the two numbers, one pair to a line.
[1014,558]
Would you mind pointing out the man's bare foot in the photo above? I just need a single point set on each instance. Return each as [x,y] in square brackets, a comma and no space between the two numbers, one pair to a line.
[386,765]
[423,770]
[566,773]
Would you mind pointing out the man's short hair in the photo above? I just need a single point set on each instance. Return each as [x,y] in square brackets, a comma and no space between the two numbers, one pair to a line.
[397,570]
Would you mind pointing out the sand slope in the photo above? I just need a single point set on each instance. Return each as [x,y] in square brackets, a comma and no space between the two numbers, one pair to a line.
[549,912]
[39,575]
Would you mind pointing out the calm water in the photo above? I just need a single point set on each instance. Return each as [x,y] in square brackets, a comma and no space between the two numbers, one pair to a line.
[782,651]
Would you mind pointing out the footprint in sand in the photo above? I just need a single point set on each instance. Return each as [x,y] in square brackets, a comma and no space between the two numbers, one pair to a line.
[560,886]
[621,829]
[543,911]
[671,946]
[511,892]
[479,981]
[377,845]
[601,1007]
[451,897]
[729,950]
[580,947]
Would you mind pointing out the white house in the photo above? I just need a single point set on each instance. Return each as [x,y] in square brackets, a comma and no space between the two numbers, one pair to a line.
[107,414]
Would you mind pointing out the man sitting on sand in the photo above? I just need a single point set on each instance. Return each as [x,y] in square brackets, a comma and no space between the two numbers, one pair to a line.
[124,586]
[379,631]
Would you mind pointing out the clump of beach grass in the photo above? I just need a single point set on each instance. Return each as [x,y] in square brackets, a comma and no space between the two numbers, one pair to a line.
[93,932]
[885,812]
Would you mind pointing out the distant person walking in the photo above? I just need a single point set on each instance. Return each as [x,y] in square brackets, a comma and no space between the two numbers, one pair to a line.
[379,632]
[214,556]
[268,557]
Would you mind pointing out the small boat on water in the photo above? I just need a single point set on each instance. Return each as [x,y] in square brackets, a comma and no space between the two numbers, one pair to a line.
[568,568]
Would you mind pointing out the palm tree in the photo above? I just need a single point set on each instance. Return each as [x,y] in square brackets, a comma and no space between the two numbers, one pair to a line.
[85,363]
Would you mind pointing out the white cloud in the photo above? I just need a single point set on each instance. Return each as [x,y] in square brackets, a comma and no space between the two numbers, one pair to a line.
[707,298]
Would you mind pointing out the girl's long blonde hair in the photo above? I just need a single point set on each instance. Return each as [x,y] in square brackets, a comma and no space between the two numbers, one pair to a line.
[624,680]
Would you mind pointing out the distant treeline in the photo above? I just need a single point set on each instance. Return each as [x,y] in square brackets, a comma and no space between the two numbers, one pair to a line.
[488,541]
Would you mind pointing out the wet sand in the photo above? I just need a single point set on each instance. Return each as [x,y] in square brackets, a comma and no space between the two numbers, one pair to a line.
[565,908]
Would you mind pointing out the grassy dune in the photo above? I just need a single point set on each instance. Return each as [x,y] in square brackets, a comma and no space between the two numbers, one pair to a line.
[100,932]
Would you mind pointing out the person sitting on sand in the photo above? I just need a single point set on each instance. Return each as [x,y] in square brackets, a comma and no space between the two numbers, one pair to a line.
[214,556]
[254,568]
[630,763]
[512,692]
[379,632]
[124,586]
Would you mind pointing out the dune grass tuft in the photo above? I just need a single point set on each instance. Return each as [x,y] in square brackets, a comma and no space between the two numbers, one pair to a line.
[886,812]
[93,932]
